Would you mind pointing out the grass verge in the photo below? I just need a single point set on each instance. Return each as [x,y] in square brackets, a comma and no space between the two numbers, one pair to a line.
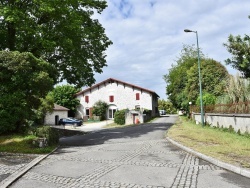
[218,143]
[22,144]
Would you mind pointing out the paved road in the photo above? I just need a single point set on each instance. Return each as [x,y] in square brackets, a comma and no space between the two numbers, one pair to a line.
[137,156]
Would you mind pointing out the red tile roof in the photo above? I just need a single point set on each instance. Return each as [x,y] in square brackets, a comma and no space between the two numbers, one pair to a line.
[60,108]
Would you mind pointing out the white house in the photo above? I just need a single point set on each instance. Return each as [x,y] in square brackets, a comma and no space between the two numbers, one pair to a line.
[58,113]
[119,95]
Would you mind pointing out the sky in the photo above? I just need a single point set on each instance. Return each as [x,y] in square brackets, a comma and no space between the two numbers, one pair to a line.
[148,36]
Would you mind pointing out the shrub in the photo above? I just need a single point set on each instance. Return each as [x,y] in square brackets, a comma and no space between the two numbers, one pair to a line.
[120,117]
[208,99]
[99,109]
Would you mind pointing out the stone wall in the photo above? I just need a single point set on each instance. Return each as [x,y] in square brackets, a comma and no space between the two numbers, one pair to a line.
[239,122]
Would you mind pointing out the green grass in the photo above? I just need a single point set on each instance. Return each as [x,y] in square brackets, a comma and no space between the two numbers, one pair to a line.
[22,144]
[214,142]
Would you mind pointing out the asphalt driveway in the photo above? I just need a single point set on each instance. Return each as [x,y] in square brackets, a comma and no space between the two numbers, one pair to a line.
[136,156]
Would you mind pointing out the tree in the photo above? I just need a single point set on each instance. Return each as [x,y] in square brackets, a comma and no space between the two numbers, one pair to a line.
[183,80]
[167,106]
[239,47]
[214,76]
[24,81]
[47,106]
[176,79]
[61,32]
[65,96]
[100,109]
[240,50]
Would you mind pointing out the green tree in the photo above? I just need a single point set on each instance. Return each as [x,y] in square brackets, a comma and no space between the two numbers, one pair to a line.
[24,81]
[47,106]
[120,117]
[183,79]
[214,76]
[64,95]
[177,78]
[207,99]
[62,32]
[239,47]
[167,106]
[100,109]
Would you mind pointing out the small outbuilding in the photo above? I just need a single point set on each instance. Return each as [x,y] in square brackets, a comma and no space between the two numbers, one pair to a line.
[58,113]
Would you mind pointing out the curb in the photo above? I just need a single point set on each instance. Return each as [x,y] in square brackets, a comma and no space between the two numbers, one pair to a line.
[227,166]
[13,177]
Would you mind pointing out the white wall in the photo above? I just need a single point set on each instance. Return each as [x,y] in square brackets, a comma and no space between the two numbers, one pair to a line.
[124,97]
[50,118]
[237,121]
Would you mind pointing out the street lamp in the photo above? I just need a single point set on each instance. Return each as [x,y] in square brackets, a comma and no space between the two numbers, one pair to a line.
[199,69]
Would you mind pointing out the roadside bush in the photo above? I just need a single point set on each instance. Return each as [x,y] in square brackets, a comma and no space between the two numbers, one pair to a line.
[120,117]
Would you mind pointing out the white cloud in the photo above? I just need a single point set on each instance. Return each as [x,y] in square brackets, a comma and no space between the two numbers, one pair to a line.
[148,35]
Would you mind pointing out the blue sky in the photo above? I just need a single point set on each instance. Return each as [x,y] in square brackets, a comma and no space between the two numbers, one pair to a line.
[148,35]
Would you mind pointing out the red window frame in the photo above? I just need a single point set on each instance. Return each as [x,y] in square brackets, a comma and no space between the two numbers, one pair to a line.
[137,96]
[111,98]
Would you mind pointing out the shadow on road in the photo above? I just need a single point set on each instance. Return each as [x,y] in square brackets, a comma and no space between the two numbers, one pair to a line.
[125,134]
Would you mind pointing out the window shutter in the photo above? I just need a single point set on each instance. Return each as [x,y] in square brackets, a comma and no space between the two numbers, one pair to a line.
[137,96]
[86,99]
[111,98]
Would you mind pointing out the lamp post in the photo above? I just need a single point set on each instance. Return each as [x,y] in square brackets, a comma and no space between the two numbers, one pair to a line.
[199,69]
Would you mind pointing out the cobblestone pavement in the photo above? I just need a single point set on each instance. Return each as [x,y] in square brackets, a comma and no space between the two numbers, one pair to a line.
[11,163]
[137,157]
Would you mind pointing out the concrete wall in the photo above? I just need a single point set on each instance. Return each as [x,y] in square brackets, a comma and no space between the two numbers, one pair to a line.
[50,118]
[133,117]
[124,98]
[237,121]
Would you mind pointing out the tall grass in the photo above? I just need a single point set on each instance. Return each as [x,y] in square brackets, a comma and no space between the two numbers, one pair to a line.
[237,90]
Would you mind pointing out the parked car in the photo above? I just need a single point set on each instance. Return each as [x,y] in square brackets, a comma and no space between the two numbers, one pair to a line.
[162,112]
[72,121]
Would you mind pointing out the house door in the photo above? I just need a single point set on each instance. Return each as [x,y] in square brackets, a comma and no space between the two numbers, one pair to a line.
[87,112]
[111,112]
[56,120]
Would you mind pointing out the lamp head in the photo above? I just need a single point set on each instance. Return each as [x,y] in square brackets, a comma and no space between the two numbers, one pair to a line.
[187,30]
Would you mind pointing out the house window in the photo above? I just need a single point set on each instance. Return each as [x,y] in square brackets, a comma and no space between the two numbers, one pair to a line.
[111,98]
[137,96]
[86,99]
